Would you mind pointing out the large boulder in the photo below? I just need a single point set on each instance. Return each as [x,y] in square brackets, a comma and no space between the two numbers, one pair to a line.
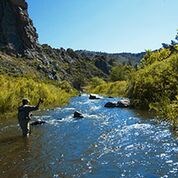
[110,105]
[92,97]
[124,103]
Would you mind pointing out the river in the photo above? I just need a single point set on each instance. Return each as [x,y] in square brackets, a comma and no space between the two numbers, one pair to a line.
[106,143]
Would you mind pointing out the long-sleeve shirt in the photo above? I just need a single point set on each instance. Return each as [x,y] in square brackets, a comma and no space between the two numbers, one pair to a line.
[24,111]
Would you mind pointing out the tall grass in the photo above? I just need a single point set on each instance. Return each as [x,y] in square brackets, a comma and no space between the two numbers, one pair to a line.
[13,89]
[98,86]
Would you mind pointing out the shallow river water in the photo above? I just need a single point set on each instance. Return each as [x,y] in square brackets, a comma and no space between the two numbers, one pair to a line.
[106,143]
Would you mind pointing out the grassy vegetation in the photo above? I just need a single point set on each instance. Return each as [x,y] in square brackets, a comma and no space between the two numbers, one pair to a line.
[121,73]
[99,86]
[13,89]
[155,84]
[152,85]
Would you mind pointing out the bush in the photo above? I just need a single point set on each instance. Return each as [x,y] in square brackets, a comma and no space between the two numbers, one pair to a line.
[155,84]
[13,89]
[99,86]
[96,81]
[120,73]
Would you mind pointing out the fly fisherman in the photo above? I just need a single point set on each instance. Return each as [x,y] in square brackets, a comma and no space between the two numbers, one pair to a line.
[24,115]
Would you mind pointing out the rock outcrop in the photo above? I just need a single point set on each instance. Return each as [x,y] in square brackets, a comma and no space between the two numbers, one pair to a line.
[17,33]
[124,103]
[102,64]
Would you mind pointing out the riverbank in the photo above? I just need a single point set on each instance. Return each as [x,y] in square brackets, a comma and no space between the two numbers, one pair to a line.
[13,89]
[113,89]
[152,85]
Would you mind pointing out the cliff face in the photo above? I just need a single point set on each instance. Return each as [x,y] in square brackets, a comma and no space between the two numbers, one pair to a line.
[17,33]
[18,37]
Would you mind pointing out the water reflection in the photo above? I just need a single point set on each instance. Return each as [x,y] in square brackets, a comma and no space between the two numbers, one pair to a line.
[13,152]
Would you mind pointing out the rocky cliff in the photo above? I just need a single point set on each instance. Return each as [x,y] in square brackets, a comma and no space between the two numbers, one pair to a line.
[17,34]
[19,42]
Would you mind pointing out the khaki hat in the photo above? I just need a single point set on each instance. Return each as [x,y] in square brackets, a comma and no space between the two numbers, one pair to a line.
[25,100]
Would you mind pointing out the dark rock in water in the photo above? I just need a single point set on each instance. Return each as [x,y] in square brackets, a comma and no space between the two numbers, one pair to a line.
[123,103]
[38,122]
[119,104]
[93,97]
[110,105]
[78,115]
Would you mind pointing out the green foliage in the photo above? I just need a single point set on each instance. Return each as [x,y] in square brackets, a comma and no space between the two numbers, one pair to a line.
[166,109]
[151,57]
[176,35]
[155,84]
[96,81]
[99,86]
[13,89]
[121,72]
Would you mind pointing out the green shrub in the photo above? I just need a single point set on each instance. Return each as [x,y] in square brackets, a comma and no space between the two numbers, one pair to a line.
[155,84]
[120,73]
[107,88]
[96,81]
[13,89]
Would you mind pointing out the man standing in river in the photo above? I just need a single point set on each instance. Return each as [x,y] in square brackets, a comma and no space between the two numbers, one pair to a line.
[24,115]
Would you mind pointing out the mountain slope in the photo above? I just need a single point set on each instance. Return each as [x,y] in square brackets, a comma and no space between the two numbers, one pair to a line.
[21,54]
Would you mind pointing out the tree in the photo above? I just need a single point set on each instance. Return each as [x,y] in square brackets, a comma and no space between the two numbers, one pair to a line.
[120,72]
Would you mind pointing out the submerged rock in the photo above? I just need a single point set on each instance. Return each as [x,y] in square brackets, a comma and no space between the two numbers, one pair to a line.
[78,115]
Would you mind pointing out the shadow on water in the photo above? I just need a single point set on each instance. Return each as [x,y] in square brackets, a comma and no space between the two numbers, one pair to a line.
[13,139]
[13,144]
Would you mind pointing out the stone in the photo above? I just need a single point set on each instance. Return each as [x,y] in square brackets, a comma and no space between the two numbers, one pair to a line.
[123,103]
[110,105]
[120,104]
[78,115]
[93,97]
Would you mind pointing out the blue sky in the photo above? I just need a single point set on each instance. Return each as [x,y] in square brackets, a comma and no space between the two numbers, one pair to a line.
[105,25]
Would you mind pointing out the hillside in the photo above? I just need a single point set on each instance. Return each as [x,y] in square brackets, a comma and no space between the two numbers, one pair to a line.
[114,58]
[21,54]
